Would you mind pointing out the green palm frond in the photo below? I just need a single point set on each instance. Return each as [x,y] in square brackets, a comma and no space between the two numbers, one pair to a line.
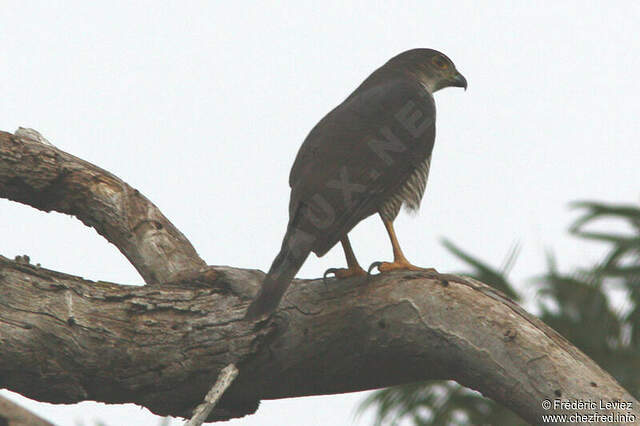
[576,304]
[482,271]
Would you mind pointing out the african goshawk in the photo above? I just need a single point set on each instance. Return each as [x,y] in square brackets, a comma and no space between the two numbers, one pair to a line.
[370,154]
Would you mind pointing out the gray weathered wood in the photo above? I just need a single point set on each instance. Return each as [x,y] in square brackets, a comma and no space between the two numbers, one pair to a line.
[47,178]
[163,346]
[202,411]
[64,339]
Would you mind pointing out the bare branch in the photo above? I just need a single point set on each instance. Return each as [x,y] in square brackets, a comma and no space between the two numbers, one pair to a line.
[202,411]
[64,339]
[163,346]
[42,176]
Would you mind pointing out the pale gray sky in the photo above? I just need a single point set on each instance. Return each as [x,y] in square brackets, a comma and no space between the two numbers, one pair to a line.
[203,105]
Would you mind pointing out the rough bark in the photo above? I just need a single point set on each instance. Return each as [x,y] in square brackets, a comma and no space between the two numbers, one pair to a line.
[65,339]
[44,177]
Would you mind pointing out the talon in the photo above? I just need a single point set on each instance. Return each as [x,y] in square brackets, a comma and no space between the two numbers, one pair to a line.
[327,272]
[372,267]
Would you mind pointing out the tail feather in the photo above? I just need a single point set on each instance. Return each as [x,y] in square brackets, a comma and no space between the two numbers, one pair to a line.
[282,271]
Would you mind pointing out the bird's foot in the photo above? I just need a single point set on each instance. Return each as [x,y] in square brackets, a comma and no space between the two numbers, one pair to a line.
[404,265]
[399,265]
[353,271]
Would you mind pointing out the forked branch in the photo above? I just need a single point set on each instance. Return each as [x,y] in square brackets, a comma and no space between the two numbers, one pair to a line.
[65,339]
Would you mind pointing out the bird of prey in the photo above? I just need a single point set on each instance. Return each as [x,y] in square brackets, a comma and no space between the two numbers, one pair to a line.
[371,154]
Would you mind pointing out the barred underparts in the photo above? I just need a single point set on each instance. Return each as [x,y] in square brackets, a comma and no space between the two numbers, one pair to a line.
[410,193]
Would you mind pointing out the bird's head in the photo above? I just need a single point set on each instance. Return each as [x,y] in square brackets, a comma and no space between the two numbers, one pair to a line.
[433,69]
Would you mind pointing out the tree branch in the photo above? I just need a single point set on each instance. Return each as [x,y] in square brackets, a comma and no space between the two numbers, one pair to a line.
[44,177]
[202,411]
[65,339]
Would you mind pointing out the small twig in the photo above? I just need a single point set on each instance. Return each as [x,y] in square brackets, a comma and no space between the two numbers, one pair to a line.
[226,377]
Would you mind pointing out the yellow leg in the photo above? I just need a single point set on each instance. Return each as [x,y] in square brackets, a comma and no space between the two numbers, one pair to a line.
[353,267]
[399,261]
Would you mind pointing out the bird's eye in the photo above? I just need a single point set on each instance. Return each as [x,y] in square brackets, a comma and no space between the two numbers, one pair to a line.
[439,62]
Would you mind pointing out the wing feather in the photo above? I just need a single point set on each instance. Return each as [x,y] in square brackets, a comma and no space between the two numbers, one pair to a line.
[358,155]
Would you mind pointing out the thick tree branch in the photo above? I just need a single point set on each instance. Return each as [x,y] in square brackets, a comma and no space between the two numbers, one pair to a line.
[65,339]
[163,346]
[44,177]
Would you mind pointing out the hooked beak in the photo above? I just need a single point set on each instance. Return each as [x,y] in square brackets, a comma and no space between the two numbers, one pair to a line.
[459,81]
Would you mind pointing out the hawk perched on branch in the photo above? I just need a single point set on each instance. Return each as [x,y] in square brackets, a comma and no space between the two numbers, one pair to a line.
[370,154]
